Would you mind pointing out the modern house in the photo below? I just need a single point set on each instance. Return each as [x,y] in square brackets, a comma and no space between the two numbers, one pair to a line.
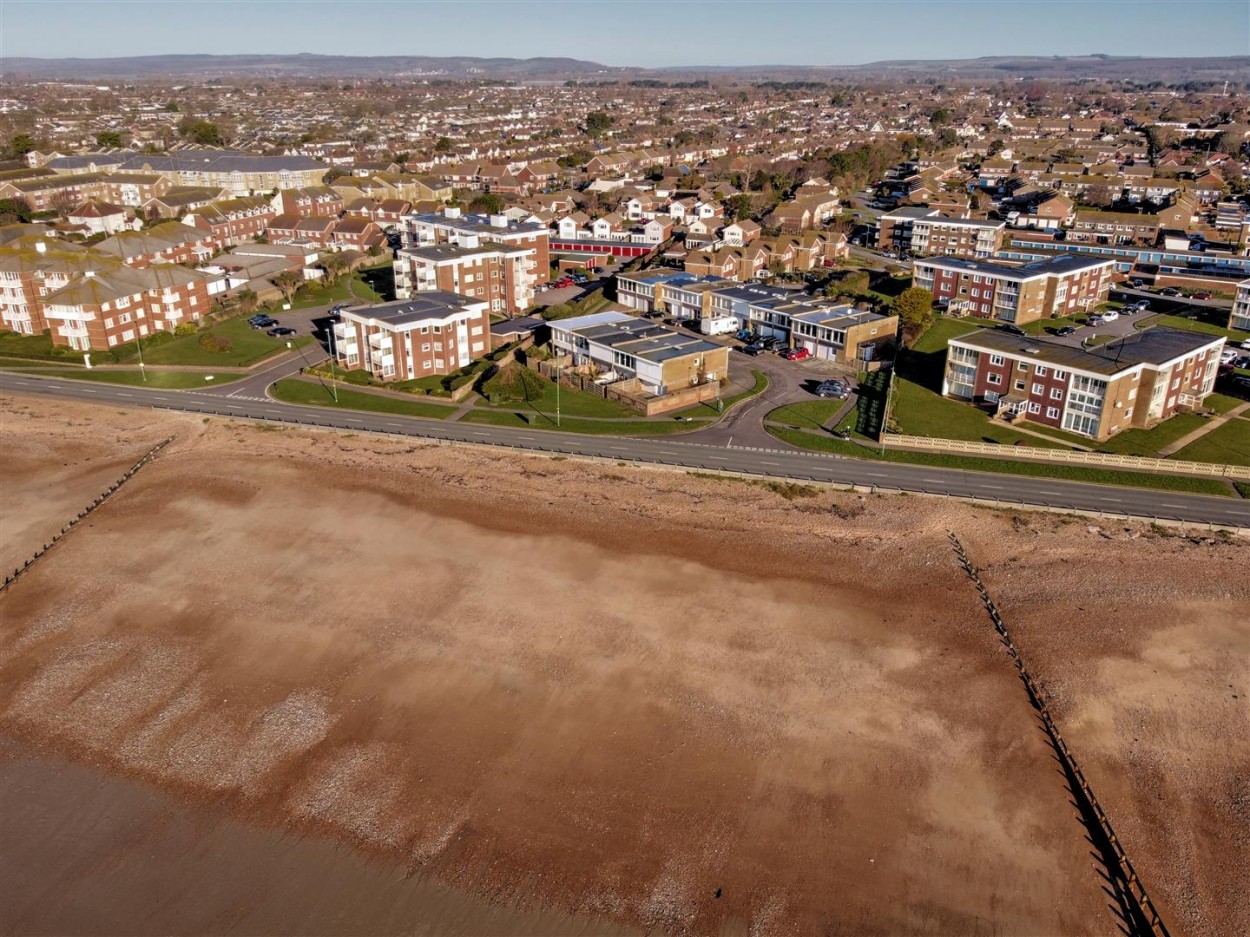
[659,358]
[1097,392]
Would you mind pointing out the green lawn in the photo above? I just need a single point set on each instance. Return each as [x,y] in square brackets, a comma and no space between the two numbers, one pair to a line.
[542,421]
[1206,486]
[1222,403]
[1148,442]
[572,403]
[248,345]
[943,330]
[308,392]
[169,380]
[919,411]
[761,385]
[809,413]
[1228,445]
[1192,325]
[347,289]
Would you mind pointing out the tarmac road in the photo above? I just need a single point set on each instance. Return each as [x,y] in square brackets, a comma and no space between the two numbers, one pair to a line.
[687,452]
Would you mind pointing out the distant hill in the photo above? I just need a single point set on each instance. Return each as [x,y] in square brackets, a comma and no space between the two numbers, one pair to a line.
[1105,67]
[304,65]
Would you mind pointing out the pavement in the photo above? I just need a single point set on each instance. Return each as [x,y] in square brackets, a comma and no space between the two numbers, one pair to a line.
[702,451]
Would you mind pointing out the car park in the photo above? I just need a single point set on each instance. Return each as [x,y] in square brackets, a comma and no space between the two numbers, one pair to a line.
[1110,315]
[1242,363]
[839,390]
[755,348]
[797,354]
[1169,291]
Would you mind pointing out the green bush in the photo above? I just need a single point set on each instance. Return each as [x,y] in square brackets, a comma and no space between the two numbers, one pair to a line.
[215,343]
[514,382]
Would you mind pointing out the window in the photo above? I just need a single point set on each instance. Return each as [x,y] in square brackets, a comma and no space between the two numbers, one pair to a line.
[1040,371]
[1039,389]
[123,318]
[1019,385]
[1035,408]
[1056,393]
[993,379]
[426,346]
[1060,375]
[1052,413]
[996,359]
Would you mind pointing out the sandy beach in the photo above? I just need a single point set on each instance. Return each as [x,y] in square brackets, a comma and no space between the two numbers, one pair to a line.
[604,696]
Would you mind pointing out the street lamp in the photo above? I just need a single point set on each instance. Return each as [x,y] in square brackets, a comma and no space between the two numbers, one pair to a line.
[558,366]
[139,346]
[334,388]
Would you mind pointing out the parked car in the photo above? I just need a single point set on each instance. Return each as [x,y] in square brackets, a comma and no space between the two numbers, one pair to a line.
[653,314]
[1169,291]
[745,335]
[1242,363]
[280,331]
[1013,329]
[1136,283]
[1110,315]
[264,322]
[756,348]
[1228,355]
[1202,294]
[771,342]
[836,389]
[1065,330]
[797,354]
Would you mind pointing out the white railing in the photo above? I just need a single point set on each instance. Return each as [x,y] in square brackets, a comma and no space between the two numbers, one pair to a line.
[1092,459]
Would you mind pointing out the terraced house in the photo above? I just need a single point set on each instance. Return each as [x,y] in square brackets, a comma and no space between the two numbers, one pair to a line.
[428,334]
[1059,286]
[1136,381]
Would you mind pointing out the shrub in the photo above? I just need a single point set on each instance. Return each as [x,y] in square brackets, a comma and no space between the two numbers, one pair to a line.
[215,343]
[514,382]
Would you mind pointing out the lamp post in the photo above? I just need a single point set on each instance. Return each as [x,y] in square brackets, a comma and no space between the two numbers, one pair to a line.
[139,346]
[558,367]
[334,387]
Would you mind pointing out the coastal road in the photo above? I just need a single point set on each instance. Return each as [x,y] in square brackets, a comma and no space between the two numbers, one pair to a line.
[676,451]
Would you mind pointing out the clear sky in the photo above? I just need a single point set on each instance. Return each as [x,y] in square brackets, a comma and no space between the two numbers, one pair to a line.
[648,33]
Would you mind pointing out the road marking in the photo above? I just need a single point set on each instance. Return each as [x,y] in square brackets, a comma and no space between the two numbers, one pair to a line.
[353,421]
[1110,499]
[719,458]
[993,487]
[1173,505]
[762,462]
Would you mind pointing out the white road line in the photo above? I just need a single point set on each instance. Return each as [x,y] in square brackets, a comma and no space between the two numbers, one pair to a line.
[719,458]
[762,462]
[1116,500]
[353,421]
[1172,505]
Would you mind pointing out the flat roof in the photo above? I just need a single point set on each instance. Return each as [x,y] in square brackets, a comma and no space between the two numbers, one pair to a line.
[641,338]
[435,304]
[1151,346]
[1068,263]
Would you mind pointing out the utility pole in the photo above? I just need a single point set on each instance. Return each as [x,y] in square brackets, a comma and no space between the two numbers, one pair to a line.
[334,387]
[139,346]
[559,365]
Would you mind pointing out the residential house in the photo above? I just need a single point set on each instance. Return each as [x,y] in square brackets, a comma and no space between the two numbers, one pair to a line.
[320,201]
[97,217]
[232,221]
[501,276]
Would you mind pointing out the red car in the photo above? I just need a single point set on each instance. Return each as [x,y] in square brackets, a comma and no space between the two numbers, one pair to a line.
[1203,295]
[797,354]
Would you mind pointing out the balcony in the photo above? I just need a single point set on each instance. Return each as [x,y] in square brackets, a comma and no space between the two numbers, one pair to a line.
[72,331]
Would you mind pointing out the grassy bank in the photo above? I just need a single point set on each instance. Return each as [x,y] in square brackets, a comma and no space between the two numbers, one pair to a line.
[168,380]
[541,421]
[320,395]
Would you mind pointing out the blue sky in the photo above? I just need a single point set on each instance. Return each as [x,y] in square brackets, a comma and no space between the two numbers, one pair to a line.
[630,32]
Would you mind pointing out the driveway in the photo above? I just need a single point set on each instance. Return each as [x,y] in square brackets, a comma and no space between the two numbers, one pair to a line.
[788,382]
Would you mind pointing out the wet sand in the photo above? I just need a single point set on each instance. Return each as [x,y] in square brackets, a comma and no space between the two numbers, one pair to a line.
[629,696]
[85,852]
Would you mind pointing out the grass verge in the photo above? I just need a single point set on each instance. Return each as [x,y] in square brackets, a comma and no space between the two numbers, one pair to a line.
[168,380]
[541,421]
[1205,486]
[319,395]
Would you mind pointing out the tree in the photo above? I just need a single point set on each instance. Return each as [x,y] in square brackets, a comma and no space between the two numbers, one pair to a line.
[288,282]
[199,131]
[443,145]
[597,123]
[247,301]
[1098,195]
[997,145]
[739,207]
[14,210]
[940,116]
[20,144]
[914,308]
[487,203]
[62,202]
[109,138]
[335,266]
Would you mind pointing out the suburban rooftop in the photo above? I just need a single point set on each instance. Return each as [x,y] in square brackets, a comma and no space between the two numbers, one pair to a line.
[1151,346]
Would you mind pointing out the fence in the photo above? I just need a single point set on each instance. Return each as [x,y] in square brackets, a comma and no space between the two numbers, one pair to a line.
[1089,459]
[1135,907]
[85,513]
